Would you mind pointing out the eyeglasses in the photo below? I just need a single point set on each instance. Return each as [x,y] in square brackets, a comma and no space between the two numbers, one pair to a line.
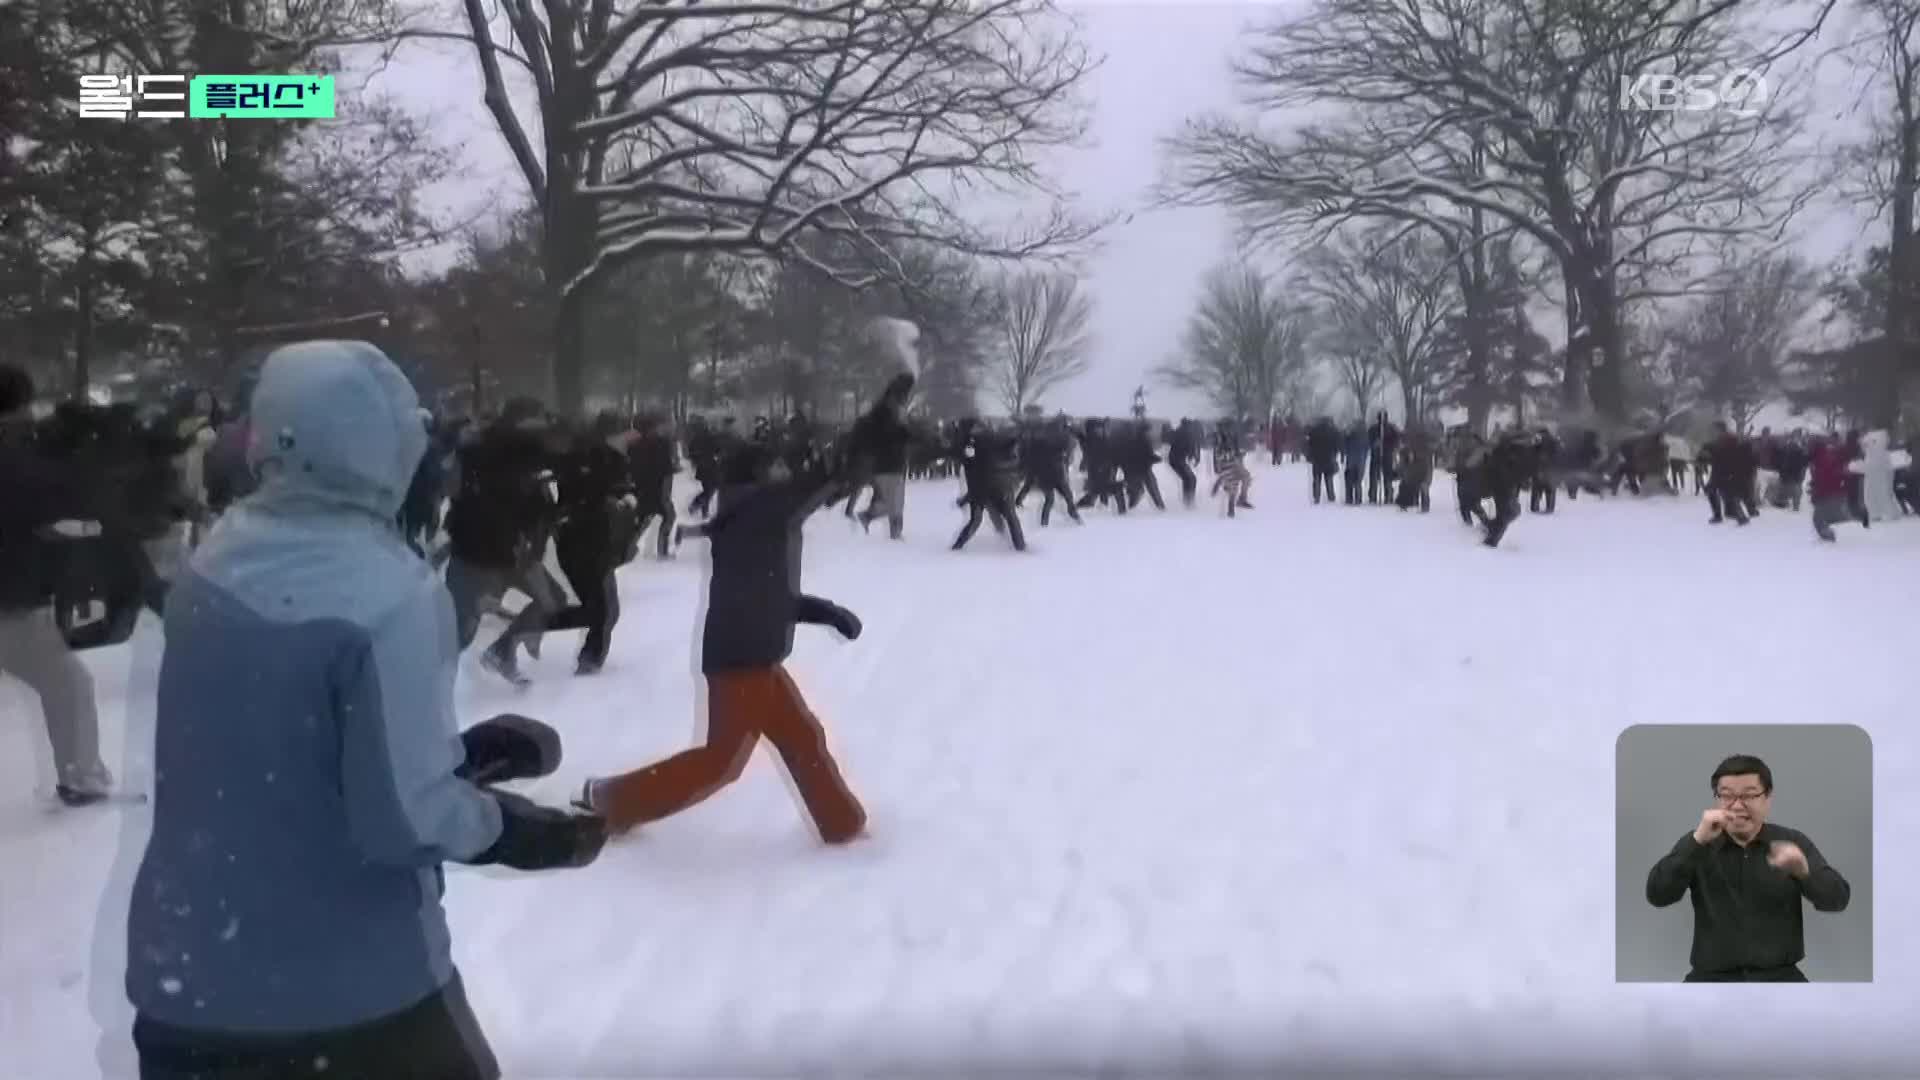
[1747,797]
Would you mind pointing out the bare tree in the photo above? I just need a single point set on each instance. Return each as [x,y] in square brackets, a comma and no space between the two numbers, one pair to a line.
[1301,395]
[957,308]
[1618,194]
[1391,294]
[1885,169]
[1044,336]
[1731,346]
[1243,347]
[673,125]
[259,225]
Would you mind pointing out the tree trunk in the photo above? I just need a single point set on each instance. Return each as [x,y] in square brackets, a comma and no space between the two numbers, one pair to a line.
[569,240]
[1477,319]
[1573,379]
[83,317]
[1606,378]
[1903,267]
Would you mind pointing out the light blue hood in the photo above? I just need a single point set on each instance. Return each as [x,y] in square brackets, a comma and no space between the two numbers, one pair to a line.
[335,422]
[306,747]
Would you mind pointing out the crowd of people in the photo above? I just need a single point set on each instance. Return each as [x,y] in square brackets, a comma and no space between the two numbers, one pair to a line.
[1846,477]
[347,545]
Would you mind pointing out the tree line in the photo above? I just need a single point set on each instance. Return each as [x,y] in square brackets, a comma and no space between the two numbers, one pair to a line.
[717,202]
[1449,167]
[714,204]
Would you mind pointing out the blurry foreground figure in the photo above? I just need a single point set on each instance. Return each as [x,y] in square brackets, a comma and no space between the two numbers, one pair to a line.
[310,779]
[36,496]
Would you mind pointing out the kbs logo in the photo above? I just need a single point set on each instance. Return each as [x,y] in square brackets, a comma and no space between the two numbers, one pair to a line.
[1742,93]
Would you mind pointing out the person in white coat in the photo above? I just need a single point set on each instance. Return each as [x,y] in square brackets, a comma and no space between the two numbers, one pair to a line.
[1876,471]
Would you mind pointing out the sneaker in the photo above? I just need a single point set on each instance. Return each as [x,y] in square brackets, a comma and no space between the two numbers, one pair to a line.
[505,667]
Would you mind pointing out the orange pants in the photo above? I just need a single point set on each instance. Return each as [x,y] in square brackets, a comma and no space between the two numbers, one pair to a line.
[742,706]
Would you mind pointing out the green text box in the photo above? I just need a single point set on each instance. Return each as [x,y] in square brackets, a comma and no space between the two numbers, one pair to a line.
[260,97]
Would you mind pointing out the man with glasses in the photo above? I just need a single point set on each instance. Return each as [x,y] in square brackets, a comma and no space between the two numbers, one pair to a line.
[1747,878]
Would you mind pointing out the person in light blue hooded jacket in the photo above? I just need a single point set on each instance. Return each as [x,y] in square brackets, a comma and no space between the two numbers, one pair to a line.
[310,778]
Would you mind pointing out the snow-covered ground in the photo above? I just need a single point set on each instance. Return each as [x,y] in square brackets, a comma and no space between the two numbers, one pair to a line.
[1316,785]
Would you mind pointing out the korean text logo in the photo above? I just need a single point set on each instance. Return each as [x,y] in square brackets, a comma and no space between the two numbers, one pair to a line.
[207,97]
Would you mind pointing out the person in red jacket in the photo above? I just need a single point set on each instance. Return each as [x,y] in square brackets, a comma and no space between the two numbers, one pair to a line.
[1827,474]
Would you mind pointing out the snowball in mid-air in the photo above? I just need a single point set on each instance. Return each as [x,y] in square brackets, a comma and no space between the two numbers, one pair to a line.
[902,339]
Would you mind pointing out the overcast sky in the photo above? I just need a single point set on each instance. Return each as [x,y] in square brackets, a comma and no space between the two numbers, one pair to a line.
[1164,61]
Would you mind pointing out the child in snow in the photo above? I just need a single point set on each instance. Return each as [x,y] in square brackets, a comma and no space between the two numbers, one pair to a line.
[753,602]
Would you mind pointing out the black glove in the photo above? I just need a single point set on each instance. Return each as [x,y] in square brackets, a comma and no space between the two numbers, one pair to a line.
[508,747]
[812,609]
[535,837]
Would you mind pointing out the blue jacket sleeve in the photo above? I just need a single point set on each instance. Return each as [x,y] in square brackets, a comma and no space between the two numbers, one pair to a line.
[400,743]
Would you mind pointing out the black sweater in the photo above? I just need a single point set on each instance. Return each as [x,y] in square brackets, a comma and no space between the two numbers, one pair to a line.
[502,505]
[590,477]
[35,492]
[651,465]
[1746,914]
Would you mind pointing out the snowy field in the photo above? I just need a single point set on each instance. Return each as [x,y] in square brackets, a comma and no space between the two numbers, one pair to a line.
[1313,788]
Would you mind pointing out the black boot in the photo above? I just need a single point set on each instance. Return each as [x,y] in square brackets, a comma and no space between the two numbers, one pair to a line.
[78,797]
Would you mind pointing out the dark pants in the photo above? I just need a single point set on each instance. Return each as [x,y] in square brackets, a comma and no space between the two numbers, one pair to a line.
[662,509]
[1379,480]
[1727,500]
[1467,496]
[1506,508]
[1831,511]
[1353,485]
[1050,485]
[1102,486]
[587,559]
[1789,974]
[1143,483]
[1189,483]
[853,496]
[1415,492]
[702,504]
[1000,508]
[1544,492]
[437,1039]
[473,585]
[1323,476]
